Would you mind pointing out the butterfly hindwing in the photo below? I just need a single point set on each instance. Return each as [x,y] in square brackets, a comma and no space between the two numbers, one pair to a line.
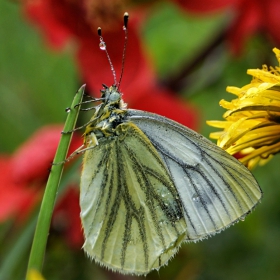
[215,189]
[131,211]
[149,183]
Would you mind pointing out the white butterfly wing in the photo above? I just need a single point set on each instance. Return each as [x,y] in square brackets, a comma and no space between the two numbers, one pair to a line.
[215,189]
[130,209]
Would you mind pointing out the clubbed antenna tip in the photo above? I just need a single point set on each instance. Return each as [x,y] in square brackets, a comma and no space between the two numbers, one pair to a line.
[125,19]
[125,22]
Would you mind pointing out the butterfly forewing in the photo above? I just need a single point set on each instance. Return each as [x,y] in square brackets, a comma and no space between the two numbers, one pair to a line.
[215,189]
[131,211]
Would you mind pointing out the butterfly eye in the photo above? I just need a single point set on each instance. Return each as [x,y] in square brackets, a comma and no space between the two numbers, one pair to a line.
[114,96]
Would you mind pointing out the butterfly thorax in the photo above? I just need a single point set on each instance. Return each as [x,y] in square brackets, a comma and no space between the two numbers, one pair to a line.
[107,117]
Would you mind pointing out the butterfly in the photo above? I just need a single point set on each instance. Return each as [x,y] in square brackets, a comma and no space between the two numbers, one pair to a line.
[149,183]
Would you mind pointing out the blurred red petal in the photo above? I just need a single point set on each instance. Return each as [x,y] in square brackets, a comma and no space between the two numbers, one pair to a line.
[166,104]
[32,161]
[71,15]
[271,19]
[40,12]
[66,218]
[16,200]
[247,22]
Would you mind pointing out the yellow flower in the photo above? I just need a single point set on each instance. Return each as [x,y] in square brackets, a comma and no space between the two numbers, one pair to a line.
[252,125]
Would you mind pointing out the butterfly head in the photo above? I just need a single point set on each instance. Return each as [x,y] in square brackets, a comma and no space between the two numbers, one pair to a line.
[111,112]
[112,97]
[112,94]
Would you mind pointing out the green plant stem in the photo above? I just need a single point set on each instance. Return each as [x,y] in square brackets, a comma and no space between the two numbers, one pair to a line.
[44,218]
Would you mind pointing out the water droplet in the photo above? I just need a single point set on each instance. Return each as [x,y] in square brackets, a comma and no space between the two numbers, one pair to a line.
[163,194]
[67,110]
[196,198]
[124,28]
[102,45]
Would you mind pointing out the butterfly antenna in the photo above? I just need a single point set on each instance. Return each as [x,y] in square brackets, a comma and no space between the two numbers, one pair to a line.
[102,46]
[125,22]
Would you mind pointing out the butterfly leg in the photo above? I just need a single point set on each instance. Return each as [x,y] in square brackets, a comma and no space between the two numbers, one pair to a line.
[89,101]
[76,152]
[90,143]
[77,128]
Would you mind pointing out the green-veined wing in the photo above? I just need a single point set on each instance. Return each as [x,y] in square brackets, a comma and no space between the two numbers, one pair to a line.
[215,189]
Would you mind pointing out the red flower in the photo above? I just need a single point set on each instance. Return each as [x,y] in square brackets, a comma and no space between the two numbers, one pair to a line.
[253,16]
[16,199]
[60,17]
[163,103]
[39,12]
[24,174]
[32,161]
[79,19]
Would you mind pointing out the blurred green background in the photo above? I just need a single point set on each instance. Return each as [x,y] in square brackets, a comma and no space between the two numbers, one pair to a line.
[37,84]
